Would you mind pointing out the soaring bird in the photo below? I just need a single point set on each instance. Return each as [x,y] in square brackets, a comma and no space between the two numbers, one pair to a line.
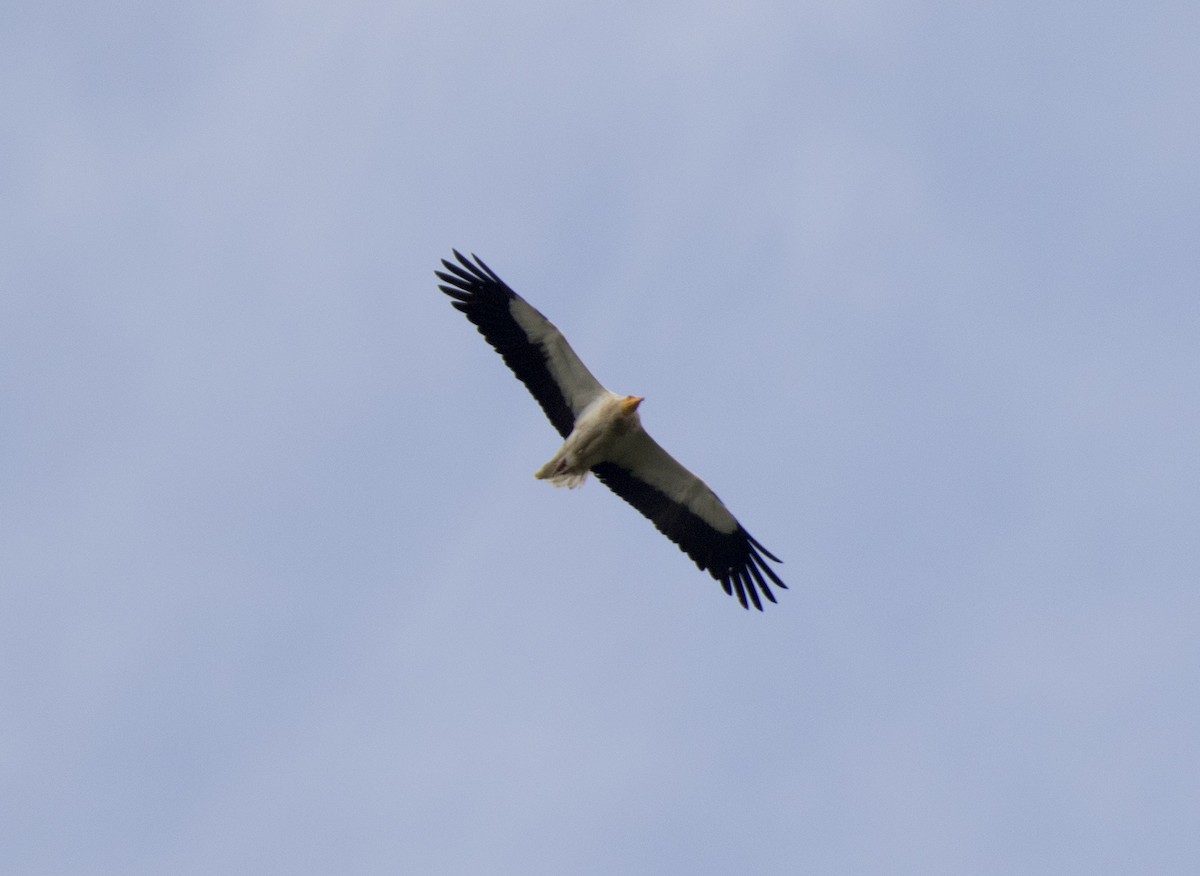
[603,435]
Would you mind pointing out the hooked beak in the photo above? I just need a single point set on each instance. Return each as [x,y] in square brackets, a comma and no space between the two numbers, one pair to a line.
[630,403]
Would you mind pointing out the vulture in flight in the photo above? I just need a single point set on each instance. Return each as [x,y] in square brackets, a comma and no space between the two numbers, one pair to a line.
[603,434]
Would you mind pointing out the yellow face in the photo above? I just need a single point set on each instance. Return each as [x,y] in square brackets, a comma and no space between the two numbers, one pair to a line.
[630,403]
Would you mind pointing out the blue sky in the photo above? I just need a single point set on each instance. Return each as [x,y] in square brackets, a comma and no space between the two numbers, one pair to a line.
[912,286]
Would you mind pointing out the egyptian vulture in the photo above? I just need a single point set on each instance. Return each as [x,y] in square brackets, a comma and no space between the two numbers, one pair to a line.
[603,434]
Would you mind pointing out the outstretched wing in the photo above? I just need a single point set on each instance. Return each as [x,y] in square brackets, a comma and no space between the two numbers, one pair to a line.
[532,347]
[686,511]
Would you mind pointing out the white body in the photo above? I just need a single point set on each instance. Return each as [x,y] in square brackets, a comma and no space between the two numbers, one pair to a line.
[598,434]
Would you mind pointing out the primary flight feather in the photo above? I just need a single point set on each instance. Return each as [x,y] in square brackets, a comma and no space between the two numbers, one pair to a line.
[603,434]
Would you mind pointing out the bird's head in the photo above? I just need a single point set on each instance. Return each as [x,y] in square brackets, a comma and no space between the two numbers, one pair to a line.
[630,403]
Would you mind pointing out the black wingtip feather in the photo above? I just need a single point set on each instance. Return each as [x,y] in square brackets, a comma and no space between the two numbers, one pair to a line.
[736,580]
[750,589]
